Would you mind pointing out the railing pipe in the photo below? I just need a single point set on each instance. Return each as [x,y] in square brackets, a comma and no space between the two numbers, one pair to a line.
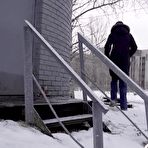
[81,53]
[77,78]
[54,112]
[134,124]
[99,107]
[114,68]
[118,72]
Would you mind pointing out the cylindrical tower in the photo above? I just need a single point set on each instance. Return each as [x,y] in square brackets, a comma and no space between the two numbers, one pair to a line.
[53,20]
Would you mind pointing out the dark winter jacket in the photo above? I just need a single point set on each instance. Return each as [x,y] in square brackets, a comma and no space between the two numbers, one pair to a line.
[120,46]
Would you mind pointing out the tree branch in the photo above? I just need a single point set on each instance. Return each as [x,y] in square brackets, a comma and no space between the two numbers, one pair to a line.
[95,7]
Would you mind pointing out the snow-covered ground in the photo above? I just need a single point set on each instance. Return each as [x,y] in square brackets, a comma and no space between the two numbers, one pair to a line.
[18,135]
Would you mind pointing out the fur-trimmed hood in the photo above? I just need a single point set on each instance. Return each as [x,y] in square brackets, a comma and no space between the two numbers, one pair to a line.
[120,28]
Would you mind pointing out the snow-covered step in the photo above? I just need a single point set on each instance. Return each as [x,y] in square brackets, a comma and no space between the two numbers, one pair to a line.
[69,119]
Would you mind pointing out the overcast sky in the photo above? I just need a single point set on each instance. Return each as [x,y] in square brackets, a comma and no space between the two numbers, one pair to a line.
[137,20]
[138,23]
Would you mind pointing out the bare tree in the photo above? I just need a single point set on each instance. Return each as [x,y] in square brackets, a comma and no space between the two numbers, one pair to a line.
[81,7]
[97,31]
[103,8]
[90,5]
[95,28]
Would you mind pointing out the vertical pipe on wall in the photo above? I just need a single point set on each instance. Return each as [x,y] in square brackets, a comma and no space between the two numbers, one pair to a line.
[28,82]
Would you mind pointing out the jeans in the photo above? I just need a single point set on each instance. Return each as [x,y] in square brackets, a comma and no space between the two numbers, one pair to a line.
[123,92]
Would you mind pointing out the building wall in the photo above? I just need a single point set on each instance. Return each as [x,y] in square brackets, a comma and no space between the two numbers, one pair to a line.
[139,68]
[53,20]
[99,72]
[135,64]
[12,15]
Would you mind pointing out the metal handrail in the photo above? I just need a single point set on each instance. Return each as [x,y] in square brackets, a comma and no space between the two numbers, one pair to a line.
[134,124]
[53,111]
[28,87]
[98,106]
[115,69]
[85,87]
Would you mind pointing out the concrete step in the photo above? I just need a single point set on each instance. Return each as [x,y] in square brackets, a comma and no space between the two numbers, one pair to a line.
[75,114]
[68,120]
[63,109]
[15,110]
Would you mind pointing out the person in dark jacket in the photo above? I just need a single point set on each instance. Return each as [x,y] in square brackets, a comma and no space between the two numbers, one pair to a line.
[120,46]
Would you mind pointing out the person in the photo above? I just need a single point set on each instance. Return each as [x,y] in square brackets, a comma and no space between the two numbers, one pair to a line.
[119,47]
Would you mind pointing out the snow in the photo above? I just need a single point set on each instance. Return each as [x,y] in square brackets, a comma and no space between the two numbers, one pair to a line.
[17,134]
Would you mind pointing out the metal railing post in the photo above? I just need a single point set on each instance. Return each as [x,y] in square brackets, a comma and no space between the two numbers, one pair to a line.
[146,111]
[28,81]
[97,126]
[82,65]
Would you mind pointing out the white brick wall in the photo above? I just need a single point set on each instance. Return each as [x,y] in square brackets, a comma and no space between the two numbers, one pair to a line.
[53,20]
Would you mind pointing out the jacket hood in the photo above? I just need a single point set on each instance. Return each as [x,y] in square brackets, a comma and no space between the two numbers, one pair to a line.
[120,29]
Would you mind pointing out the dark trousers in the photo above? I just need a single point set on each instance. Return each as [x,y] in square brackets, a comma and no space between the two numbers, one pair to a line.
[122,89]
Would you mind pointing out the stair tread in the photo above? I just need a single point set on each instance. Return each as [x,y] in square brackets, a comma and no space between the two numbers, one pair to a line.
[69,118]
[16,101]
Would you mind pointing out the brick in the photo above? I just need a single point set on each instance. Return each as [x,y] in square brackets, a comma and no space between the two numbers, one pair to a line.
[54,23]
